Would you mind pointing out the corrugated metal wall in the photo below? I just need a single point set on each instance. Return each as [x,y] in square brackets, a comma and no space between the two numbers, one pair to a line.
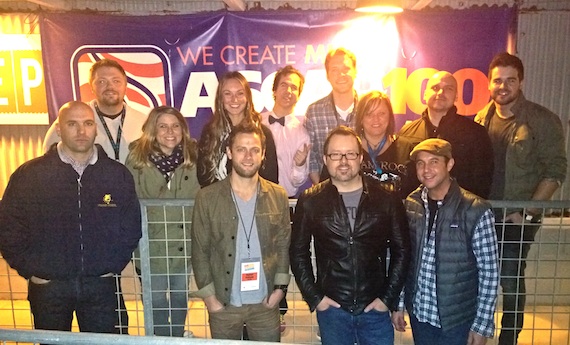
[189,6]
[543,45]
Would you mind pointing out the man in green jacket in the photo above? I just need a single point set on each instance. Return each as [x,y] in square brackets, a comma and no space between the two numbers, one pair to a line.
[240,244]
[530,164]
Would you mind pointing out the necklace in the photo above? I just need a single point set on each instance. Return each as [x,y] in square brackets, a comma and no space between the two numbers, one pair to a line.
[375,152]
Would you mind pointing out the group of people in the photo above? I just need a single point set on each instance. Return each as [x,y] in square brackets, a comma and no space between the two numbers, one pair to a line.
[70,220]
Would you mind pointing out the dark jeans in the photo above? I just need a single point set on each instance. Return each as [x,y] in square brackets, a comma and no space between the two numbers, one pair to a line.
[169,304]
[426,334]
[514,244]
[339,327]
[93,299]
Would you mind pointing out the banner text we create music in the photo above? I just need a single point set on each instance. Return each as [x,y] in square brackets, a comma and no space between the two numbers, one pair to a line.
[239,55]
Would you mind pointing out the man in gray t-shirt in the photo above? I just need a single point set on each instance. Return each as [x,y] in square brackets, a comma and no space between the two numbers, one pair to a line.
[240,240]
[353,221]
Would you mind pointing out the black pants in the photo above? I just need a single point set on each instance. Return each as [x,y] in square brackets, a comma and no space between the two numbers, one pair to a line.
[94,300]
[514,245]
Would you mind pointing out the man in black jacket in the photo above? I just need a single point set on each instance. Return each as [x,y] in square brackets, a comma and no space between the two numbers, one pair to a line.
[69,221]
[472,147]
[353,222]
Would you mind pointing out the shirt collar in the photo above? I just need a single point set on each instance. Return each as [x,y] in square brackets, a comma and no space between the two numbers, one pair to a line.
[77,166]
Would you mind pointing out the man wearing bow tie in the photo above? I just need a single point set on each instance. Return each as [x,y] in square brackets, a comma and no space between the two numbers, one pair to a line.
[292,141]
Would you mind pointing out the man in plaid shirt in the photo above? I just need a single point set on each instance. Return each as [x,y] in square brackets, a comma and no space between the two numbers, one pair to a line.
[336,109]
[451,289]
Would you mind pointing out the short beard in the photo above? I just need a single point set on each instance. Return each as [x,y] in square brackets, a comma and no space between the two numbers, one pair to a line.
[243,173]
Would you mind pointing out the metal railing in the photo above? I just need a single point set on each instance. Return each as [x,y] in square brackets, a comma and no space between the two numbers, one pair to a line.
[547,319]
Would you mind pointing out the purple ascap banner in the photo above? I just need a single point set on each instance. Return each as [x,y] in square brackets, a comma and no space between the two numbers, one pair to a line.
[177,59]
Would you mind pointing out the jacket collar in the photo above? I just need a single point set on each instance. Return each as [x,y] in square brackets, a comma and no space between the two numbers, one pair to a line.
[263,185]
[517,109]
[450,113]
[452,193]
[329,187]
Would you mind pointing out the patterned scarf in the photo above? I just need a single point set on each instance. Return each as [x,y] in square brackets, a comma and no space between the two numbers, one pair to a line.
[167,164]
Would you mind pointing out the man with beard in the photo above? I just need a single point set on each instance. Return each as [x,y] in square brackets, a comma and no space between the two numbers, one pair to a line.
[117,123]
[472,148]
[353,221]
[530,164]
[240,241]
[69,221]
[292,141]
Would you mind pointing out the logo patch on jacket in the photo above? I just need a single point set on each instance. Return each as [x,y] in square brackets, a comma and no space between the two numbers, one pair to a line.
[107,201]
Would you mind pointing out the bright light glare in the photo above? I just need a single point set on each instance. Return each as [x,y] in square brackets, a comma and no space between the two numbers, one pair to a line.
[19,42]
[375,41]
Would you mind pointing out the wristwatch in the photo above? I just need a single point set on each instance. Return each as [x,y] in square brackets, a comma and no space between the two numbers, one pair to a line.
[282,287]
[530,218]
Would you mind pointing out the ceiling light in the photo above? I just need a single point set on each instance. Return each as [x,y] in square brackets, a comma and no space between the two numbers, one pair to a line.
[379,6]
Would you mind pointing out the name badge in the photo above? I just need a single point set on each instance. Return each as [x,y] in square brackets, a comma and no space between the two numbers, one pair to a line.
[250,274]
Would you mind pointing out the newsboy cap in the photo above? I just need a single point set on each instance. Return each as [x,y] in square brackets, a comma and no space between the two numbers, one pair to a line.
[438,147]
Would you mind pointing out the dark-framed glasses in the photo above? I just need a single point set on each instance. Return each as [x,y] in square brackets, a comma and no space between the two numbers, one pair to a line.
[338,156]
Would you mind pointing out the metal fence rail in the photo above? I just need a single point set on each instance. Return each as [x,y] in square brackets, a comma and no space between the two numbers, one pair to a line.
[547,318]
[72,338]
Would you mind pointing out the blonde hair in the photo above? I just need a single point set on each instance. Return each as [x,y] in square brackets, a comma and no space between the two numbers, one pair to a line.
[146,145]
[368,103]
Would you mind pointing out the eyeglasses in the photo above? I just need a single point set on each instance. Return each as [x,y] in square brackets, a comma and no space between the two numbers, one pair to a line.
[338,156]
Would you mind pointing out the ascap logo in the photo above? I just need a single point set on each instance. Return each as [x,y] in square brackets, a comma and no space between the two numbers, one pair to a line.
[107,201]
[148,74]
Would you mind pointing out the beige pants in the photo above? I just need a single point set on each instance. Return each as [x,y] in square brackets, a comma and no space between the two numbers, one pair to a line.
[262,323]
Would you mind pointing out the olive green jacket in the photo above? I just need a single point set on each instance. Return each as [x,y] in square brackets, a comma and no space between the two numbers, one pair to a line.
[536,149]
[214,235]
[169,227]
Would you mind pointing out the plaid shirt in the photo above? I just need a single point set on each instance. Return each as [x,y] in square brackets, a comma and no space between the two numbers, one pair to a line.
[484,243]
[321,118]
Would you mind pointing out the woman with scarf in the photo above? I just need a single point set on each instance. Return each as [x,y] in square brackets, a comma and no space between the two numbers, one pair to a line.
[163,164]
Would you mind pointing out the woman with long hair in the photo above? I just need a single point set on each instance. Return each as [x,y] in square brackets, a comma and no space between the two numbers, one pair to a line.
[233,104]
[385,155]
[163,164]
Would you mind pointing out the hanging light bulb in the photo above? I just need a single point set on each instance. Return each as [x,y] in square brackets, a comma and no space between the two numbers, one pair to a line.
[379,6]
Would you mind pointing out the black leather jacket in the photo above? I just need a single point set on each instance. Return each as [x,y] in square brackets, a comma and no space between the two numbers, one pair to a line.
[351,265]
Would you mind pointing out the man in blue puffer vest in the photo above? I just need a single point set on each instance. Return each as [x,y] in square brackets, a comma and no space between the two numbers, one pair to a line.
[451,289]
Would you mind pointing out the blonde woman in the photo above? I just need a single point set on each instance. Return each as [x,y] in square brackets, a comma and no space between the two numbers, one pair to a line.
[163,163]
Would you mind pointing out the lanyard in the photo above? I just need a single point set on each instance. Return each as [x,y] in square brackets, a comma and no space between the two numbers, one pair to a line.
[373,153]
[247,235]
[116,145]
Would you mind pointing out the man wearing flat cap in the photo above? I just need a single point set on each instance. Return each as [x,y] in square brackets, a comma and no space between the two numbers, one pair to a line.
[451,287]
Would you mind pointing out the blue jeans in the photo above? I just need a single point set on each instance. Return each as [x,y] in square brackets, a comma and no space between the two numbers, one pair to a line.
[514,245]
[426,334]
[169,304]
[339,327]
